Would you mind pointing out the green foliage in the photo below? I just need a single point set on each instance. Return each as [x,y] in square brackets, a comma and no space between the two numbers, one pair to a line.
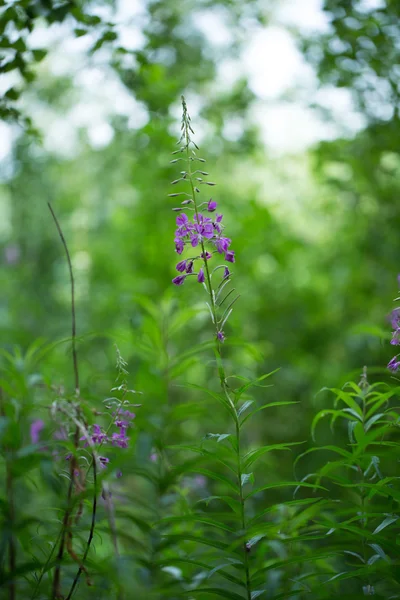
[207,505]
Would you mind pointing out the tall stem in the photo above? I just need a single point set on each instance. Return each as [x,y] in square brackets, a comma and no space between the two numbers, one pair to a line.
[56,591]
[221,369]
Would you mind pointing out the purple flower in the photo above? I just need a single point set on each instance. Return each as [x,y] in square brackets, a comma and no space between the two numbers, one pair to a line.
[189,268]
[395,318]
[226,273]
[182,220]
[35,430]
[206,255]
[179,246]
[181,266]
[212,205]
[230,256]
[395,341]
[120,439]
[207,231]
[221,336]
[222,244]
[394,365]
[97,437]
[195,239]
[124,418]
[179,280]
[200,276]
[119,473]
[218,218]
[103,461]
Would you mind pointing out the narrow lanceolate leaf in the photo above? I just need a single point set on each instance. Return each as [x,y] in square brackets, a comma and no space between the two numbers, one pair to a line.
[294,484]
[348,399]
[196,518]
[385,523]
[217,592]
[335,414]
[244,407]
[169,540]
[252,456]
[372,420]
[220,568]
[221,399]
[246,478]
[265,406]
[253,382]
[231,502]
[217,477]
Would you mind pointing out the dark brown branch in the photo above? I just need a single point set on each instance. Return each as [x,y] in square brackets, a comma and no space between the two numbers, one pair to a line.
[66,524]
[91,532]
[73,314]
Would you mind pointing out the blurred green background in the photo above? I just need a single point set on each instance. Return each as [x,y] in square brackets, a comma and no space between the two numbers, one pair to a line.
[296,110]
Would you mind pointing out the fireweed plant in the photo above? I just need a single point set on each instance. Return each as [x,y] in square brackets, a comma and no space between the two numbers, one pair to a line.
[205,257]
[359,523]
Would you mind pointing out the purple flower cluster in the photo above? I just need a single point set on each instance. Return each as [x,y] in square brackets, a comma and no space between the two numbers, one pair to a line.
[394,363]
[122,420]
[199,231]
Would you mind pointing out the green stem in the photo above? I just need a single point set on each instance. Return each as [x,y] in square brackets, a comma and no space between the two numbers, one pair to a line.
[221,371]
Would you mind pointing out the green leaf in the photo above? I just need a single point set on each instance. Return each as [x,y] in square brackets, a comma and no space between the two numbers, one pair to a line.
[216,477]
[219,592]
[206,567]
[39,54]
[372,420]
[80,32]
[196,518]
[294,484]
[185,537]
[348,399]
[385,523]
[252,383]
[221,399]
[244,407]
[231,502]
[253,455]
[246,478]
[270,405]
[323,413]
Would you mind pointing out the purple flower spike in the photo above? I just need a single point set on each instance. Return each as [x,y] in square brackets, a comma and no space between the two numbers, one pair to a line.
[230,256]
[212,205]
[200,276]
[394,365]
[221,336]
[181,266]
[36,428]
[179,280]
